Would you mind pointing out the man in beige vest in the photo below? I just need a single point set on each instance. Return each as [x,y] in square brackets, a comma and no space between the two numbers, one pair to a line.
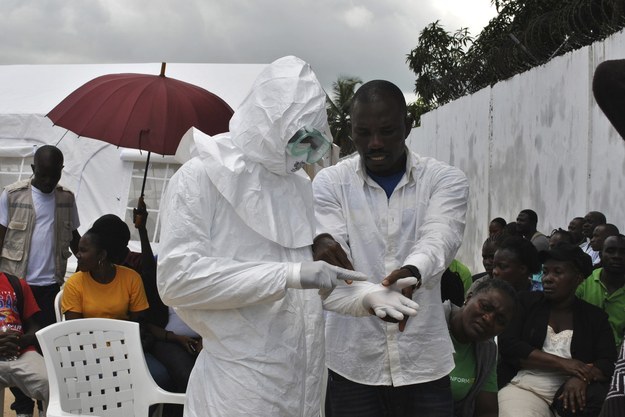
[38,226]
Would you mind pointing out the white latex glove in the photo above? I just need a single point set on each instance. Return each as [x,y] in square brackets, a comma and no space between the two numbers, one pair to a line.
[319,275]
[386,301]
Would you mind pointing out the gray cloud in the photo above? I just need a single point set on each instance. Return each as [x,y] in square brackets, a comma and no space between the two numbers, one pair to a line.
[368,39]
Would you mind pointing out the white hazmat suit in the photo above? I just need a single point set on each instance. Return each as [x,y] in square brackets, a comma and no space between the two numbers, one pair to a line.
[234,223]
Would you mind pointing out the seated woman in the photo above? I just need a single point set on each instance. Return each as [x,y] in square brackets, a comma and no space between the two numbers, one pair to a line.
[472,327]
[105,290]
[496,226]
[144,262]
[558,352]
[175,345]
[490,246]
[558,236]
[515,261]
[100,288]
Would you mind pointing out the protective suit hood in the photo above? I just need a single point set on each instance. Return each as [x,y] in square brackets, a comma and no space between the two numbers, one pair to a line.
[248,164]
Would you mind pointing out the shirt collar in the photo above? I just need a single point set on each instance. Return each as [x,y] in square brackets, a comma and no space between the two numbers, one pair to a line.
[596,275]
[412,164]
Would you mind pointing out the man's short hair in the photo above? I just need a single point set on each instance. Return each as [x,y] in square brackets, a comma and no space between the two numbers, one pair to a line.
[500,221]
[48,151]
[611,229]
[531,215]
[597,217]
[372,89]
[620,237]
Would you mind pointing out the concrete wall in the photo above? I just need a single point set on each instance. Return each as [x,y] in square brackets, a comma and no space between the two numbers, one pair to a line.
[537,140]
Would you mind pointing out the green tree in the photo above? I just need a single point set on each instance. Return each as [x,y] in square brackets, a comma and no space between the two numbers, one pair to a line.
[338,112]
[524,34]
[416,109]
[438,62]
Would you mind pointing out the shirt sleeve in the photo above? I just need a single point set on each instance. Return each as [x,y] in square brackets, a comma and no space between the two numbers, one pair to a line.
[541,242]
[441,232]
[580,291]
[490,385]
[30,304]
[604,344]
[71,300]
[138,299]
[4,209]
[512,343]
[189,275]
[329,216]
[75,219]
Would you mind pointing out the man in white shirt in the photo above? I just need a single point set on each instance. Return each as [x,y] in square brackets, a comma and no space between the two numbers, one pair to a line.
[389,213]
[38,225]
[235,255]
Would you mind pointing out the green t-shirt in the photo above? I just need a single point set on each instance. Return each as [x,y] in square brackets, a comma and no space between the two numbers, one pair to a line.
[464,273]
[463,375]
[594,292]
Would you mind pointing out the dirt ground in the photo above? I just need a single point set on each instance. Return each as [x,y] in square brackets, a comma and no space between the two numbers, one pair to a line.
[8,400]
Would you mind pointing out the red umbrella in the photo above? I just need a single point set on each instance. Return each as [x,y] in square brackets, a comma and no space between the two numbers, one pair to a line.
[141,111]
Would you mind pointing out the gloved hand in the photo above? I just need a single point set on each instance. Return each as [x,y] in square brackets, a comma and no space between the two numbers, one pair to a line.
[384,301]
[319,275]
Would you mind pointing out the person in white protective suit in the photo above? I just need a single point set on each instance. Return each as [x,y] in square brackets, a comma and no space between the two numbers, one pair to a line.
[236,262]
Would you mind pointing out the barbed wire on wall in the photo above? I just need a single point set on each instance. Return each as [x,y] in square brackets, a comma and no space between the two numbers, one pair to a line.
[507,47]
[577,23]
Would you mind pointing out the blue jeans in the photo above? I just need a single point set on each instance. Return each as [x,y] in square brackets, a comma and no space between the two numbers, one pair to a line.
[178,362]
[351,399]
[159,372]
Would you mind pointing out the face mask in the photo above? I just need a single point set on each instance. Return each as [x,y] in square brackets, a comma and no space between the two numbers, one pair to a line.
[307,146]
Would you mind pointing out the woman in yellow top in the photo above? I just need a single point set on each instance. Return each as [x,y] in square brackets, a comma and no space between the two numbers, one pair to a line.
[101,288]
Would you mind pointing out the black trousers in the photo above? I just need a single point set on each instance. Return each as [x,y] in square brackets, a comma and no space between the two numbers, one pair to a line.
[44,295]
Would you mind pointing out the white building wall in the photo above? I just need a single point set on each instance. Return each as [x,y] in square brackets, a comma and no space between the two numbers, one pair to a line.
[537,140]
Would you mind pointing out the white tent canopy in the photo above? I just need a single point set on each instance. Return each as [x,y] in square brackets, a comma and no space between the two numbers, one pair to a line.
[103,177]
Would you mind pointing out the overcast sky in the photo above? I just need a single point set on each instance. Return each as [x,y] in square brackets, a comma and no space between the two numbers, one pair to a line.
[369,38]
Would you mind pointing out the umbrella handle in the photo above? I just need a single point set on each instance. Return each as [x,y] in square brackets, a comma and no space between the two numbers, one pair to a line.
[145,174]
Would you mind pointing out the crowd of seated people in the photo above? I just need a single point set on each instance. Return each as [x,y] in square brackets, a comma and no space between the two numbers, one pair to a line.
[557,354]
[536,333]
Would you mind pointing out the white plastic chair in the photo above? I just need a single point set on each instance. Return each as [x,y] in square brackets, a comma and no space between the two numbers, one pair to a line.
[58,311]
[96,367]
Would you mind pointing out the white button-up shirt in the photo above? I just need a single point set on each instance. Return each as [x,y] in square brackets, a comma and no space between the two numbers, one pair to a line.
[421,224]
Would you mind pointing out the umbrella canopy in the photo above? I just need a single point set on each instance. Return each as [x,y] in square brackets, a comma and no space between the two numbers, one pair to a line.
[141,111]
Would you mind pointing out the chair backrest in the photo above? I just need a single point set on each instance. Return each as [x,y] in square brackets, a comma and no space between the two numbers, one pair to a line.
[58,311]
[97,367]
